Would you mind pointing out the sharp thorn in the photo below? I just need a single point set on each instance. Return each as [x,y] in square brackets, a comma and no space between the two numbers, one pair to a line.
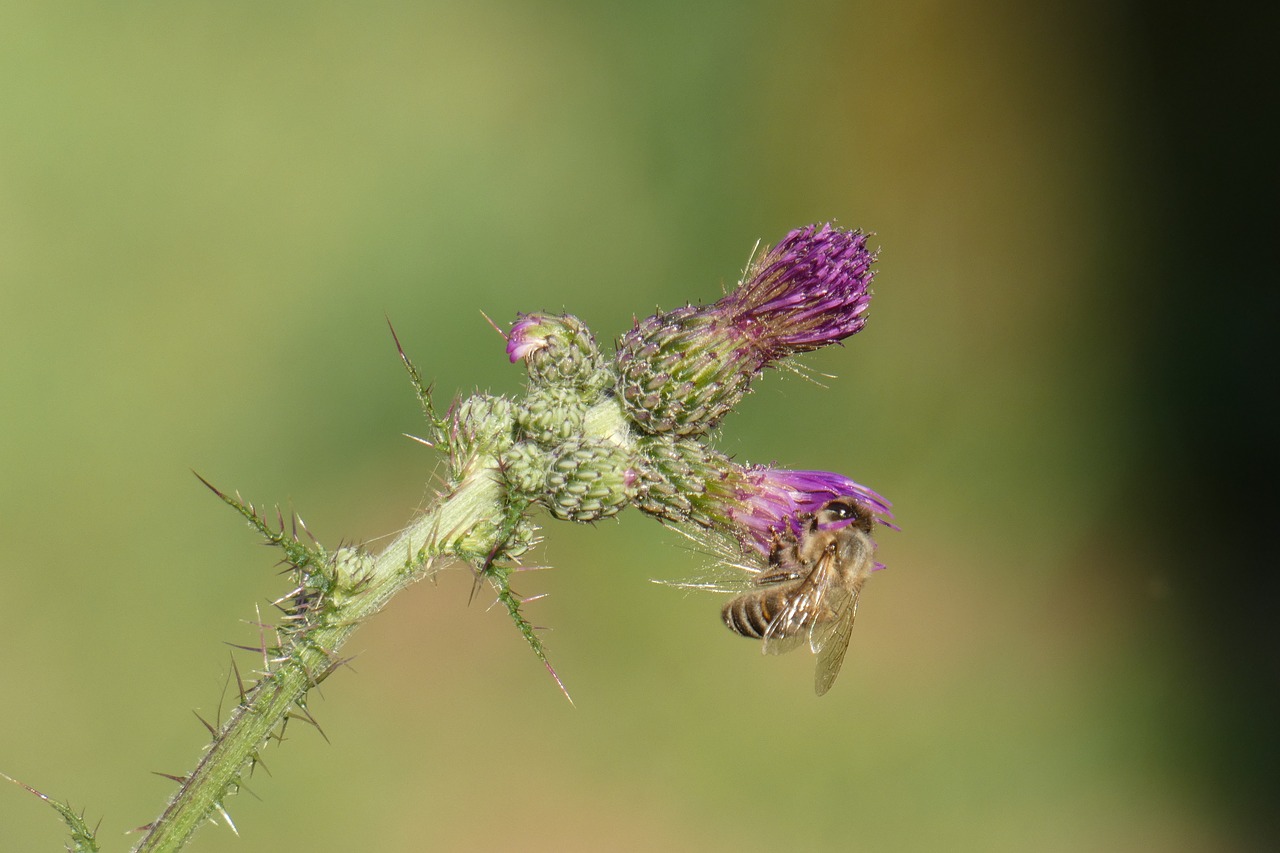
[419,440]
[239,681]
[559,683]
[495,326]
[210,486]
[205,723]
[475,587]
[24,785]
[262,639]
[396,339]
[310,720]
[230,823]
[257,650]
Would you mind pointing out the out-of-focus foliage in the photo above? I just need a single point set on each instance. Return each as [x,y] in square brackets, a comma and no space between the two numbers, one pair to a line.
[206,210]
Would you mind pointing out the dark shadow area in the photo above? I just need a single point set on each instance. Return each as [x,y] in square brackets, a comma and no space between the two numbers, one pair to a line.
[1206,306]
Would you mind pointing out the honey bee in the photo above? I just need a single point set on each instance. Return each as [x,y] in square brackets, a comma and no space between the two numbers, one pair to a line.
[809,590]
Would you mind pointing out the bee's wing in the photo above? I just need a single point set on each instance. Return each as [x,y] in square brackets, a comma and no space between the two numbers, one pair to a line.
[830,639]
[776,644]
[777,574]
[798,617]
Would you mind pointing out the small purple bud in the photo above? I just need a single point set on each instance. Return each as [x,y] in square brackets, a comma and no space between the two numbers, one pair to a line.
[526,337]
[558,351]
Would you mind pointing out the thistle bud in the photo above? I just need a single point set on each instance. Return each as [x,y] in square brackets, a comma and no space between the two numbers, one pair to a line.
[590,480]
[524,469]
[522,539]
[558,350]
[551,414]
[683,370]
[348,569]
[482,424]
[675,479]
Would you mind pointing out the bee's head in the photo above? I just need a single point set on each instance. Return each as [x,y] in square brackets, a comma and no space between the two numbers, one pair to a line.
[844,512]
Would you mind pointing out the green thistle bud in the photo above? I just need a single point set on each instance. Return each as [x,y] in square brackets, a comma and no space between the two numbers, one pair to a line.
[590,480]
[523,539]
[524,469]
[672,373]
[558,351]
[482,424]
[348,569]
[551,414]
[676,478]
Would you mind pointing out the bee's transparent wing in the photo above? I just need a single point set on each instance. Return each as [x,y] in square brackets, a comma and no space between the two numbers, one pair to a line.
[777,644]
[829,640]
[796,620]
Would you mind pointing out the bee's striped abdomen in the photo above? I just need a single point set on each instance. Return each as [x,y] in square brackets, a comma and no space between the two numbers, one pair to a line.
[751,614]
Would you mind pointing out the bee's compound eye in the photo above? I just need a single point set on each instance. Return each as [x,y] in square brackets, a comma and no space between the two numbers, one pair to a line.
[839,511]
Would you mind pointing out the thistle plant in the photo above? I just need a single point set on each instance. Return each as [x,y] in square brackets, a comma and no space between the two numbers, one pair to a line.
[590,436]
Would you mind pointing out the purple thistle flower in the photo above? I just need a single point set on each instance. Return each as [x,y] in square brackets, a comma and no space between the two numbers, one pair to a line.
[766,502]
[810,290]
[683,370]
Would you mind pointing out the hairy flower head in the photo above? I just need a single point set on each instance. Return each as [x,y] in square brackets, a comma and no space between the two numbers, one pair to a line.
[810,290]
[682,371]
[689,484]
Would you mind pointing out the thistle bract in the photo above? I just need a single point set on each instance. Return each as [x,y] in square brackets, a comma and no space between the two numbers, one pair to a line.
[481,424]
[551,414]
[524,469]
[590,480]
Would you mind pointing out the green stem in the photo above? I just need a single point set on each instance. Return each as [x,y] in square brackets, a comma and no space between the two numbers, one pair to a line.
[458,527]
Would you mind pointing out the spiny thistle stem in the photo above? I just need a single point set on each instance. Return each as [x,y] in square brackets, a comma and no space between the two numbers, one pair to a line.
[359,588]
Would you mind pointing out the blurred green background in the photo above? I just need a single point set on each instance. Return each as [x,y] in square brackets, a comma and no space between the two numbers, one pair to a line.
[207,211]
